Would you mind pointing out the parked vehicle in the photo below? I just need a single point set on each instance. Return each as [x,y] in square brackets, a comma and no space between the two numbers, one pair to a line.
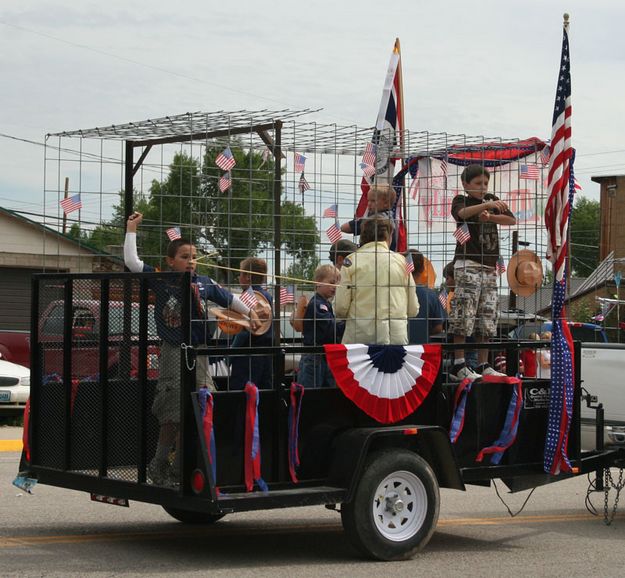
[14,388]
[15,347]
[585,332]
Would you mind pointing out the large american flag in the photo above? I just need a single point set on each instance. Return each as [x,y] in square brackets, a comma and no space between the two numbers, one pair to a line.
[71,204]
[561,186]
[225,160]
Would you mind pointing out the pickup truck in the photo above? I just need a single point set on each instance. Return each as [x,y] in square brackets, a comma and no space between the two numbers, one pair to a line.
[85,333]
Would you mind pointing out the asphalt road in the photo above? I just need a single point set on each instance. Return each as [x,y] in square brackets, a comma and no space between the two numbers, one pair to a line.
[57,532]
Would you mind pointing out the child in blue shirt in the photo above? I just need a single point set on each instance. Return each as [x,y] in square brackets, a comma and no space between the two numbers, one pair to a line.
[320,327]
[181,257]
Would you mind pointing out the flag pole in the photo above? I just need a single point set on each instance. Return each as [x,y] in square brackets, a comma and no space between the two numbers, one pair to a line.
[400,130]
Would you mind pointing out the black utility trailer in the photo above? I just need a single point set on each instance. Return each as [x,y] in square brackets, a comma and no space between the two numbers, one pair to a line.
[95,433]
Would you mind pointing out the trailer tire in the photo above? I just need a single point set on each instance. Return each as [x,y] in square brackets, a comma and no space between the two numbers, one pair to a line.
[395,507]
[192,517]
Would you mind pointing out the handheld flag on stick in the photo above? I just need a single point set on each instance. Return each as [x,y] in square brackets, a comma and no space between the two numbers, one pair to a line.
[500,267]
[561,187]
[300,162]
[287,294]
[71,204]
[173,233]
[225,160]
[334,233]
[248,297]
[225,182]
[331,211]
[462,234]
[442,298]
[409,264]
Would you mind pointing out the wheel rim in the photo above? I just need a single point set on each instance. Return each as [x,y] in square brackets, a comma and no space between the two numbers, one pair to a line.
[400,506]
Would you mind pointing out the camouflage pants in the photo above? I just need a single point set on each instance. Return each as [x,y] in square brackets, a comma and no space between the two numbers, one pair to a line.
[474,308]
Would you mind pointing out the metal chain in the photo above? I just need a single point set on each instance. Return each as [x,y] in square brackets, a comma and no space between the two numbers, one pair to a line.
[607,484]
[185,348]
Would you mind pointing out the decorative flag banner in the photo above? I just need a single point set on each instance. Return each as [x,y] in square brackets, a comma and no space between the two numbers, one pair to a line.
[442,298]
[561,186]
[300,162]
[368,170]
[303,184]
[462,234]
[295,409]
[205,398]
[225,182]
[173,233]
[389,128]
[409,264]
[71,204]
[500,267]
[249,297]
[334,233]
[368,158]
[387,382]
[252,440]
[529,172]
[331,211]
[287,294]
[225,160]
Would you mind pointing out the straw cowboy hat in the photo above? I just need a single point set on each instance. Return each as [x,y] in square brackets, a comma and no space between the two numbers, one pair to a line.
[231,322]
[525,273]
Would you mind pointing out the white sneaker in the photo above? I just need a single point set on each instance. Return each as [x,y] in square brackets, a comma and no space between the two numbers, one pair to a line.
[463,373]
[488,370]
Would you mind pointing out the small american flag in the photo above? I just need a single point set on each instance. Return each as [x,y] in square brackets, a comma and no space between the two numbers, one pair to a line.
[530,172]
[225,161]
[462,234]
[265,157]
[249,297]
[300,161]
[500,267]
[442,298]
[287,294]
[409,264]
[71,204]
[331,211]
[303,184]
[545,154]
[370,153]
[334,233]
[367,169]
[224,182]
[173,233]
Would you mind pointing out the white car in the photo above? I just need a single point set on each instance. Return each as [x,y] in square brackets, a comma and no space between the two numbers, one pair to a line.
[14,388]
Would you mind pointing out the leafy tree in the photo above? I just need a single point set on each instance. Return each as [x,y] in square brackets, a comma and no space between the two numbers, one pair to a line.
[236,224]
[585,236]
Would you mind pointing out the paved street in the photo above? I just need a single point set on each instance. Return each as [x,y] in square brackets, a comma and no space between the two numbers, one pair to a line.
[57,532]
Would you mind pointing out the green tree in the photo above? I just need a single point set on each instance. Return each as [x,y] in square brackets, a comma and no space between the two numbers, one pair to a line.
[584,236]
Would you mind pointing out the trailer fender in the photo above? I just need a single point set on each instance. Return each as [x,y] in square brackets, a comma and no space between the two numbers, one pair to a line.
[352,447]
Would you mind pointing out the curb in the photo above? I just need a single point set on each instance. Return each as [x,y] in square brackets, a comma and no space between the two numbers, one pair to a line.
[10,445]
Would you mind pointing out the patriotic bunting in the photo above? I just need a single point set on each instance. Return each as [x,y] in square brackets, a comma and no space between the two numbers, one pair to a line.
[71,204]
[173,233]
[252,441]
[205,398]
[387,382]
[225,160]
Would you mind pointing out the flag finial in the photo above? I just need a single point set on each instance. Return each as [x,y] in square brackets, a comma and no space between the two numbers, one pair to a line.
[396,47]
[566,20]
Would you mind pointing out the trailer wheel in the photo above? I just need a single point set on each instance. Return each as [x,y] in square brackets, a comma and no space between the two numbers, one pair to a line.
[395,506]
[192,517]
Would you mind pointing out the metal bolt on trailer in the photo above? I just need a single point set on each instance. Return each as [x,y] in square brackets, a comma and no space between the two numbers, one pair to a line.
[97,422]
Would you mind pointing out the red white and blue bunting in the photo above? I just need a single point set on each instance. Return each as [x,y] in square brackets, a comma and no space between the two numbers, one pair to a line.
[387,382]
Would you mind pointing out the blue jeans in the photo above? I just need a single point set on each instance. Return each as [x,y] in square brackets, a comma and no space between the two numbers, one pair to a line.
[314,372]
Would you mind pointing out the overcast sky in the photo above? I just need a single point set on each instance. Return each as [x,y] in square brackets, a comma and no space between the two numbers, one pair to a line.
[481,68]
